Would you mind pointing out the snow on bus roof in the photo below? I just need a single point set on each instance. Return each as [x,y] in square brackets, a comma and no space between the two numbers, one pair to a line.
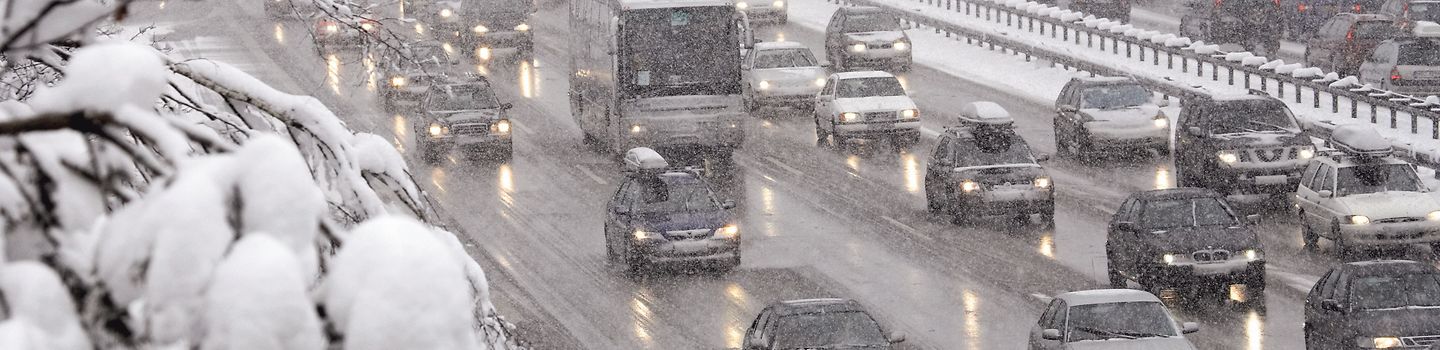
[657,4]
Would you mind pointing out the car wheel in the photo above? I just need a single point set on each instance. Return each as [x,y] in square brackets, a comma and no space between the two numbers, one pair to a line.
[1341,250]
[820,133]
[958,216]
[933,206]
[1311,240]
[634,265]
[1117,280]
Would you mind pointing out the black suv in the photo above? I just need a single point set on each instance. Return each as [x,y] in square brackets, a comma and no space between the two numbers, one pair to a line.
[1389,304]
[664,215]
[985,170]
[1253,24]
[1182,237]
[817,324]
[1240,144]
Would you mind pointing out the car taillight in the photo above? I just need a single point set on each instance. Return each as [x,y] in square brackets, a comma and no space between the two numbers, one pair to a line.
[1218,2]
[1301,7]
[1394,74]
[1359,9]
[1350,35]
[1277,2]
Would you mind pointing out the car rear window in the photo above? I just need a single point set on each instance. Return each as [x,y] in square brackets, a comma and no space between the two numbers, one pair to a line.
[1420,54]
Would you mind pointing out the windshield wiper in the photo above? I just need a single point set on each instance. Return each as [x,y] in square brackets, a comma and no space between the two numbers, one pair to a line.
[1279,128]
[1104,333]
[1141,334]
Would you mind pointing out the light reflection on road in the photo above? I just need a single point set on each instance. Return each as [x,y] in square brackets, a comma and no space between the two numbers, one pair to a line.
[437,177]
[1162,178]
[972,319]
[1254,331]
[854,162]
[370,73]
[401,130]
[912,172]
[736,314]
[529,85]
[1047,245]
[279,33]
[642,317]
[332,72]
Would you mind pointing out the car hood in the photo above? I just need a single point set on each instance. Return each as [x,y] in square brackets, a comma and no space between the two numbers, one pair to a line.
[1132,344]
[482,116]
[874,103]
[1403,322]
[1190,239]
[796,74]
[876,37]
[1140,115]
[678,221]
[1394,204]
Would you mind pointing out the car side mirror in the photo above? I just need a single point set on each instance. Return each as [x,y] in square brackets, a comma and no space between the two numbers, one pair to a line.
[1252,219]
[1067,109]
[1051,334]
[1332,305]
[1325,193]
[728,204]
[1043,157]
[1189,327]
[896,337]
[1127,226]
[506,105]
[1197,132]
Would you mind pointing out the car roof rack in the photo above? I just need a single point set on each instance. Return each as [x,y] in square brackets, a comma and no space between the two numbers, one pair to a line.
[1360,141]
[643,161]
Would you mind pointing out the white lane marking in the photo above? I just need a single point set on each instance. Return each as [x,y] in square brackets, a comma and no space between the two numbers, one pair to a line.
[788,168]
[904,227]
[591,174]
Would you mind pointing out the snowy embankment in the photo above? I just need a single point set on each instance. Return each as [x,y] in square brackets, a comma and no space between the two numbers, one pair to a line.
[136,216]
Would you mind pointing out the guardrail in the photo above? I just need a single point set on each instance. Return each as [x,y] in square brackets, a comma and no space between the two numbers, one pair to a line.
[1156,48]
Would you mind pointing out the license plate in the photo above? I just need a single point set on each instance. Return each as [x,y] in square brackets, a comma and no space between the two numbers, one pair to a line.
[1271,180]
[882,125]
[1428,74]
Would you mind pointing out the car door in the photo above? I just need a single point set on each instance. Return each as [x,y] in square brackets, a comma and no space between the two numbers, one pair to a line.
[753,335]
[832,36]
[1327,208]
[1047,321]
[1314,317]
[1119,241]
[1321,46]
[1065,100]
[617,217]
[747,72]
[1330,324]
[939,167]
[824,103]
[1184,141]
[1306,196]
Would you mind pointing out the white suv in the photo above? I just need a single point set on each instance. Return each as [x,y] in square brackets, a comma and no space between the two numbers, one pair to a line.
[866,105]
[1358,195]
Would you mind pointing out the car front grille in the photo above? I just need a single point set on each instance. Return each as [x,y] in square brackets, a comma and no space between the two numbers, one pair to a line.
[1397,220]
[1270,154]
[880,46]
[470,129]
[879,116]
[1424,340]
[684,235]
[1211,256]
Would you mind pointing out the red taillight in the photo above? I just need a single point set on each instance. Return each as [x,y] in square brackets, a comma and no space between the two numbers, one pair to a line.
[1218,2]
[1394,74]
[1350,35]
[1359,9]
[1302,7]
[1277,2]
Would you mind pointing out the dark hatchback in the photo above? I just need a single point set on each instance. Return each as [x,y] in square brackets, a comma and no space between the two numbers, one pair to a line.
[669,217]
[1182,237]
[817,324]
[1387,304]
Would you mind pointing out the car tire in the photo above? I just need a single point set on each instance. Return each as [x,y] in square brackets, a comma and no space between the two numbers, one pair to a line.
[634,266]
[934,207]
[1310,240]
[820,133]
[1117,280]
[1341,250]
[1061,150]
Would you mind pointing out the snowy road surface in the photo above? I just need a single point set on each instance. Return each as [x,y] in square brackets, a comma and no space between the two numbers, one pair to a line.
[817,221]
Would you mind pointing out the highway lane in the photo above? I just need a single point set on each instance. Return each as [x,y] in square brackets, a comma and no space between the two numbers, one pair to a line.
[818,221]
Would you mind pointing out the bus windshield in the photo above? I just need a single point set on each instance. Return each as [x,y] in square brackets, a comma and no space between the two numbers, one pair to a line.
[680,51]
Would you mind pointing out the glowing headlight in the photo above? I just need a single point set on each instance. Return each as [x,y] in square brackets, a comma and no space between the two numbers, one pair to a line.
[820,82]
[778,3]
[1433,216]
[331,28]
[641,235]
[910,114]
[522,27]
[902,46]
[1042,182]
[1168,259]
[849,117]
[502,126]
[1252,255]
[419,29]
[446,13]
[969,186]
[367,26]
[1359,219]
[1161,121]
[436,130]
[1378,343]
[742,5]
[729,231]
[1228,157]
[397,81]
[480,29]
[636,129]
[857,47]
[1306,152]
[764,85]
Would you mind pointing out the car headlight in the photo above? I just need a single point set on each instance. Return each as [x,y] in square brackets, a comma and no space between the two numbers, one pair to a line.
[969,186]
[331,28]
[1228,157]
[637,128]
[1161,121]
[641,235]
[1042,182]
[857,47]
[1358,219]
[1378,342]
[480,29]
[910,113]
[1252,255]
[764,85]
[778,3]
[436,129]
[397,81]
[1433,216]
[446,13]
[367,26]
[1306,152]
[1168,258]
[502,126]
[902,46]
[729,231]
[523,27]
[742,5]
[849,117]
[820,82]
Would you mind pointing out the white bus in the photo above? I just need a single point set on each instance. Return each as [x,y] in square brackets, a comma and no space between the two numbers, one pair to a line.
[663,74]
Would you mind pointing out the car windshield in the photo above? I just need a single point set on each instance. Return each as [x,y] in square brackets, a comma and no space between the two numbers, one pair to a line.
[1203,211]
[1251,116]
[462,98]
[1114,96]
[674,194]
[1126,320]
[1377,178]
[1425,11]
[871,22]
[994,150]
[1389,292]
[1420,54]
[784,58]
[822,330]
[868,87]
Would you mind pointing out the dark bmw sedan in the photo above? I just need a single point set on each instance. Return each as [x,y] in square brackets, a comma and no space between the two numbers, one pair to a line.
[1388,304]
[662,215]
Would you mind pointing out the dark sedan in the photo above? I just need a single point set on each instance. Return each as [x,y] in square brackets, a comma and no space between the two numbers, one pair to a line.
[1388,304]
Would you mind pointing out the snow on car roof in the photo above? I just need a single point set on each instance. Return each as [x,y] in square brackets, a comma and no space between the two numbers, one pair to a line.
[1104,296]
[985,112]
[641,158]
[1357,139]
[773,45]
[1427,29]
[655,4]
[863,74]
